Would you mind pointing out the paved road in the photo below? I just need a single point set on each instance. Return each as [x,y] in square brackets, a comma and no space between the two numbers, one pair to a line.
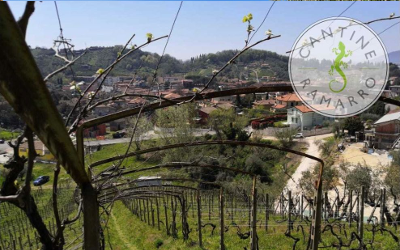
[5,150]
[153,134]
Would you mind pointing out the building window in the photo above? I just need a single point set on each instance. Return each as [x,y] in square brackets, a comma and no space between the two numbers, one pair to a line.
[292,119]
[296,120]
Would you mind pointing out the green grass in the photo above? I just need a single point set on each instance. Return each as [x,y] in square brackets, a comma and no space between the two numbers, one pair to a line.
[7,135]
[127,231]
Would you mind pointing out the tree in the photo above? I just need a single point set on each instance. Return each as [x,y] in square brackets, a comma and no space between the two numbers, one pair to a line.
[257,166]
[285,136]
[228,125]
[393,176]
[378,109]
[175,125]
[353,124]
[359,176]
[338,128]
[143,126]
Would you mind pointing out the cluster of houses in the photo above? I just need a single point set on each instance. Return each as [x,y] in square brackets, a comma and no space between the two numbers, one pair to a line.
[281,104]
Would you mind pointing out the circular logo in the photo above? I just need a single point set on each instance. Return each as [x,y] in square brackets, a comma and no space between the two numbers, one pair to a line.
[338,67]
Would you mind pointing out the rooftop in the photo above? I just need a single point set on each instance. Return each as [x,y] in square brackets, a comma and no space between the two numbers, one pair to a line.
[303,109]
[288,98]
[389,117]
[208,110]
[279,106]
[264,102]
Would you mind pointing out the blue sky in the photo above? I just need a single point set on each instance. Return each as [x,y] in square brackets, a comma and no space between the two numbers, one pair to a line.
[202,27]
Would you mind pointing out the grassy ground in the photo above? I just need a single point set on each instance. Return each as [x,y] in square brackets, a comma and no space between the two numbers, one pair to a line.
[126,231]
[7,135]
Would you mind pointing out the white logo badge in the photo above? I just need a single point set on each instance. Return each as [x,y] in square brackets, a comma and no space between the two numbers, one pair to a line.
[338,67]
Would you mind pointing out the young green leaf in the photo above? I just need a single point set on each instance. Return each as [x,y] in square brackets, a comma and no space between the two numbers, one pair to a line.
[149,37]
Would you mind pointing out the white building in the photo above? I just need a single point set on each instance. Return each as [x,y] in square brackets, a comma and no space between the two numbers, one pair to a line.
[304,118]
[149,181]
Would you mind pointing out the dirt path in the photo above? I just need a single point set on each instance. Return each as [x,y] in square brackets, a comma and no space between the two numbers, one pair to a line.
[306,163]
[121,234]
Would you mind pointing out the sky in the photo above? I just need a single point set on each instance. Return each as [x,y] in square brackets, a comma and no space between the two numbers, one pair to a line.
[201,27]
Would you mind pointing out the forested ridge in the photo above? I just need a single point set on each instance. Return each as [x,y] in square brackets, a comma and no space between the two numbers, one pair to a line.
[143,63]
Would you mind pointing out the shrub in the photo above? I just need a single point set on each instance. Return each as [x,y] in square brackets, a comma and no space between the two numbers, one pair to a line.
[158,243]
[280,124]
[359,176]
[207,137]
[285,136]
[369,116]
[326,123]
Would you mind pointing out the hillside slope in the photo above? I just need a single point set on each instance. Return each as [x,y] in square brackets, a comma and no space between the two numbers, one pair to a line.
[265,62]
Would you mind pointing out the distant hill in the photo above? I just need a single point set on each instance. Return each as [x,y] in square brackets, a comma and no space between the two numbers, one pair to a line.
[266,63]
[394,57]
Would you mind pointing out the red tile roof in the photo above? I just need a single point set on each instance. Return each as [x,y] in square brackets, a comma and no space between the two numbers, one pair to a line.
[279,106]
[288,98]
[304,109]
[172,96]
[137,100]
[208,110]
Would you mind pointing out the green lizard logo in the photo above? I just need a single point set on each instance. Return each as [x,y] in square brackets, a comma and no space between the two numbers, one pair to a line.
[340,52]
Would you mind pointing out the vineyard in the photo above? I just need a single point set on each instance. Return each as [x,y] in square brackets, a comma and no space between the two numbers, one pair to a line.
[16,231]
[214,219]
[177,190]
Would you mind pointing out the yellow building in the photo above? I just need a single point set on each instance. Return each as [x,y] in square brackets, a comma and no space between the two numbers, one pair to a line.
[41,150]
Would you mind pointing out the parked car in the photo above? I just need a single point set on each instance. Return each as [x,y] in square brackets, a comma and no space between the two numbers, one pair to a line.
[299,135]
[1,141]
[118,135]
[41,180]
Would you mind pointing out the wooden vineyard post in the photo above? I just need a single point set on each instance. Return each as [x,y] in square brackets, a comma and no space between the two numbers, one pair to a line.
[281,205]
[199,218]
[326,206]
[361,219]
[166,216]
[192,199]
[152,213]
[209,207]
[148,211]
[185,225]
[350,206]
[301,207]
[266,211]
[253,225]
[221,215]
[249,215]
[232,208]
[158,214]
[140,208]
[358,209]
[382,207]
[316,219]
[289,210]
[173,224]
